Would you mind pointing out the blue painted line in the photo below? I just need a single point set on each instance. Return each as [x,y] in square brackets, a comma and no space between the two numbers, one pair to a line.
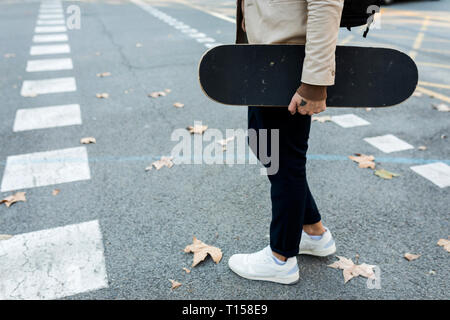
[150,158]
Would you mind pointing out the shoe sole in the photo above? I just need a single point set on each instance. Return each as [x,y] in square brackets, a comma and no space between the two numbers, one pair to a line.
[288,280]
[322,253]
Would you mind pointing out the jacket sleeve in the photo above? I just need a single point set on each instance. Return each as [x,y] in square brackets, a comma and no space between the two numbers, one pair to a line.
[324,17]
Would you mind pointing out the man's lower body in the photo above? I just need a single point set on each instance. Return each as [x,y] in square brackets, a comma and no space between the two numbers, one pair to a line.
[293,205]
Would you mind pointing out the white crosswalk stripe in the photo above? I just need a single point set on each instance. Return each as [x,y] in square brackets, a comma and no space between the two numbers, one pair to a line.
[53,263]
[47,117]
[49,49]
[32,88]
[50,29]
[45,168]
[388,143]
[50,22]
[50,16]
[58,37]
[438,173]
[49,65]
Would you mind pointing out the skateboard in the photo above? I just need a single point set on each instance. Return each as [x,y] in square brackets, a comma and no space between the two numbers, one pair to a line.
[269,75]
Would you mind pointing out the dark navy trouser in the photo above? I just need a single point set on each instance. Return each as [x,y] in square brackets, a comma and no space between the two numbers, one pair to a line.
[292,202]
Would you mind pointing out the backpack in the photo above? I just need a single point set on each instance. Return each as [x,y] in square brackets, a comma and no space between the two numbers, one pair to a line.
[359,12]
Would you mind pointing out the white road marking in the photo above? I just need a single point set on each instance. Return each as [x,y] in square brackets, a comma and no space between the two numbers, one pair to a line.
[51,11]
[49,65]
[49,49]
[50,16]
[51,6]
[438,173]
[50,29]
[199,37]
[349,120]
[31,88]
[58,37]
[47,117]
[50,22]
[388,143]
[45,168]
[53,263]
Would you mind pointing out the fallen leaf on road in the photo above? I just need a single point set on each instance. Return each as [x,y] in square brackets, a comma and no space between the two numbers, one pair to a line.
[197,129]
[157,94]
[175,284]
[444,243]
[164,161]
[55,192]
[411,256]
[9,55]
[385,174]
[224,142]
[178,105]
[102,95]
[351,270]
[187,270]
[5,236]
[363,160]
[321,119]
[441,107]
[443,136]
[18,196]
[422,148]
[201,250]
[88,140]
[103,74]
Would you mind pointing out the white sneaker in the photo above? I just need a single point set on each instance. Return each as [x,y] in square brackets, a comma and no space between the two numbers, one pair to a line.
[261,265]
[320,248]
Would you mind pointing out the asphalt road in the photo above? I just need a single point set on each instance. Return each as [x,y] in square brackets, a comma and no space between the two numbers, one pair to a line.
[147,218]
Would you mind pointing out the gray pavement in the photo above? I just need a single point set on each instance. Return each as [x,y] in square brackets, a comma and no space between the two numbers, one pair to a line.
[147,218]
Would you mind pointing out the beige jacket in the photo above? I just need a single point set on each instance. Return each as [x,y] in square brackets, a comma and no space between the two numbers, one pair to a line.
[314,23]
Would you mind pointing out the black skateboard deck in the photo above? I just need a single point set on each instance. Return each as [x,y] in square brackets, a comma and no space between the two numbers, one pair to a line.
[269,75]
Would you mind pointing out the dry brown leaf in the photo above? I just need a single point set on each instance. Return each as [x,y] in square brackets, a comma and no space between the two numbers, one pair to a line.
[201,250]
[444,243]
[321,119]
[422,148]
[9,55]
[385,174]
[16,197]
[178,105]
[197,129]
[164,161]
[157,94]
[175,284]
[5,236]
[55,192]
[224,142]
[187,270]
[364,161]
[88,140]
[103,95]
[351,270]
[411,256]
[103,74]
